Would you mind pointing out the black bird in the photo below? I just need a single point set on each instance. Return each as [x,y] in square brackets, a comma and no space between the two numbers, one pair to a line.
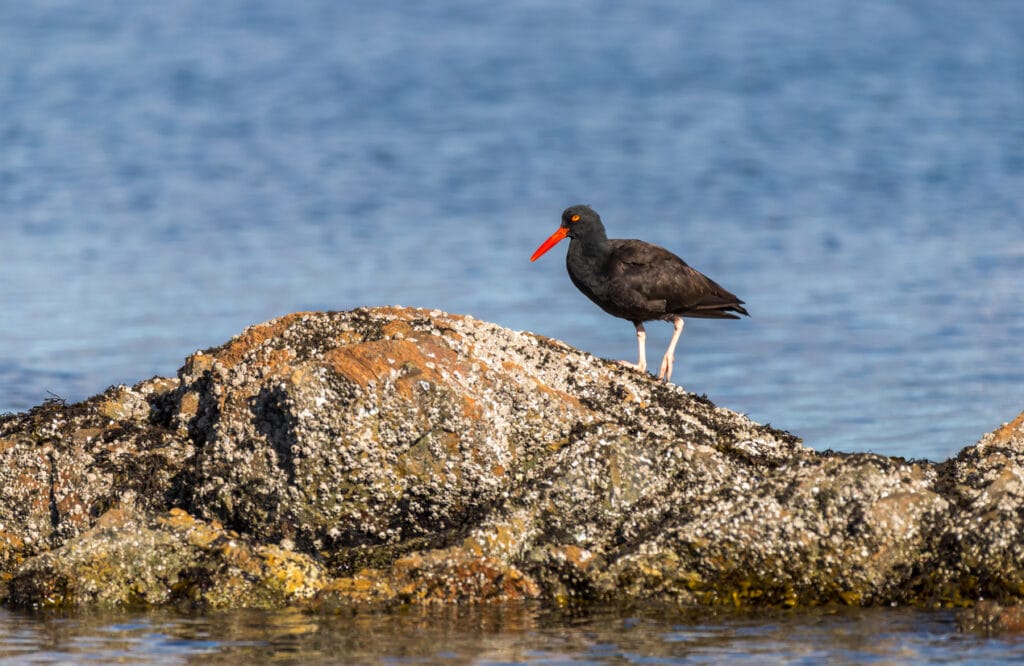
[638,281]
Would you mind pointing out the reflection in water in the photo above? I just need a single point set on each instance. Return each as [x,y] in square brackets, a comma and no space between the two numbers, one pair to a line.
[498,634]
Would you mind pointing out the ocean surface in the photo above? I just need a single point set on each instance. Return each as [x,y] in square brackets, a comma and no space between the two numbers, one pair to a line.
[501,635]
[173,172]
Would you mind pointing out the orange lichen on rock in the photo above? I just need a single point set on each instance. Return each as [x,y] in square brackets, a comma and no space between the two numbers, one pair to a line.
[380,359]
[234,351]
[1012,430]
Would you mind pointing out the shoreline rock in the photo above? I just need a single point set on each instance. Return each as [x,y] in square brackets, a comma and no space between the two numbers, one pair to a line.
[390,455]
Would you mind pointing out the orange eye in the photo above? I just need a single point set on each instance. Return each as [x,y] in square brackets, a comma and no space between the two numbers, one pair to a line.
[574,218]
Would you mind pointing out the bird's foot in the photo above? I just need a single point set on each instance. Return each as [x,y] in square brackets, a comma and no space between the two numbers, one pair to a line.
[642,367]
[666,368]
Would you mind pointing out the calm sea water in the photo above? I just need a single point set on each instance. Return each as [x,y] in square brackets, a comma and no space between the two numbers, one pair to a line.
[173,172]
[854,169]
[500,635]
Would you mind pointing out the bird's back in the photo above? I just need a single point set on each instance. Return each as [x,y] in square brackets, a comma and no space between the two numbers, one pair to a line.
[654,274]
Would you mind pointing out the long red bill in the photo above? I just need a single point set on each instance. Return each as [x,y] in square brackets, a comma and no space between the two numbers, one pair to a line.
[550,242]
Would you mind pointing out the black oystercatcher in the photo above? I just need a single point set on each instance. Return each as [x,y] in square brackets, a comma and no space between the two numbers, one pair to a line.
[638,281]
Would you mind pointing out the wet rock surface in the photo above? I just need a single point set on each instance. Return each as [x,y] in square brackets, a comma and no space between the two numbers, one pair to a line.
[391,455]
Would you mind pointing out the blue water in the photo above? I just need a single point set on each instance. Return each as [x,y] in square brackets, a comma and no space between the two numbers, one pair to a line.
[173,172]
[496,635]
[854,169]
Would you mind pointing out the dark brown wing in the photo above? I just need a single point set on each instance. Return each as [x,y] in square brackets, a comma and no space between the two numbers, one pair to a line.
[642,272]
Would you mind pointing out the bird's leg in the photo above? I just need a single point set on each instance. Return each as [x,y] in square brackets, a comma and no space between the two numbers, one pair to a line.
[641,337]
[670,355]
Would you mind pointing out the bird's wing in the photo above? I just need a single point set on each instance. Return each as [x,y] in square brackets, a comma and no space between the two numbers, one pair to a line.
[625,300]
[655,274]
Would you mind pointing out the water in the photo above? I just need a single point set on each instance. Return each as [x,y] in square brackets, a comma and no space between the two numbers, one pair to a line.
[854,169]
[501,635]
[171,173]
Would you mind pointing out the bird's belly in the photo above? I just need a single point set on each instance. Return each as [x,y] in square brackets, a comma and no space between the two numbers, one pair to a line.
[640,310]
[637,313]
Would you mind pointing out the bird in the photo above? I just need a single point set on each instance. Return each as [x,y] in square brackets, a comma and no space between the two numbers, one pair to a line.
[638,281]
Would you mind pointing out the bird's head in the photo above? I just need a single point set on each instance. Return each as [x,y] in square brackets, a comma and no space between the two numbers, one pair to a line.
[576,221]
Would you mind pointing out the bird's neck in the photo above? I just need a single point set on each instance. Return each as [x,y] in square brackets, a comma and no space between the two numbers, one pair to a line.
[593,244]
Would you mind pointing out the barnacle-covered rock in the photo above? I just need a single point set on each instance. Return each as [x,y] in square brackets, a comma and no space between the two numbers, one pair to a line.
[404,456]
[129,560]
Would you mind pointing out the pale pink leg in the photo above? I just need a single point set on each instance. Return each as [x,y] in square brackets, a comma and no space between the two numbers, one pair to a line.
[670,355]
[641,337]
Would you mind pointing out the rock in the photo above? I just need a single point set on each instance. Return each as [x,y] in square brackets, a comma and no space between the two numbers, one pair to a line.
[437,576]
[988,618]
[396,456]
[62,466]
[127,560]
[980,551]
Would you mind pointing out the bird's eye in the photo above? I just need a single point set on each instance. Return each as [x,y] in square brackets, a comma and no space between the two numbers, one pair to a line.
[574,218]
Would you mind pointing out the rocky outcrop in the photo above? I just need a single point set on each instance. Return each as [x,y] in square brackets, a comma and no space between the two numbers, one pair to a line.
[389,455]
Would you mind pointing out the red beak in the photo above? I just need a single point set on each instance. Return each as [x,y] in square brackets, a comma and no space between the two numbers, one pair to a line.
[550,242]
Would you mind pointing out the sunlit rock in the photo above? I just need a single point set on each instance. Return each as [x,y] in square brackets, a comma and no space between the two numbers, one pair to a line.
[390,455]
